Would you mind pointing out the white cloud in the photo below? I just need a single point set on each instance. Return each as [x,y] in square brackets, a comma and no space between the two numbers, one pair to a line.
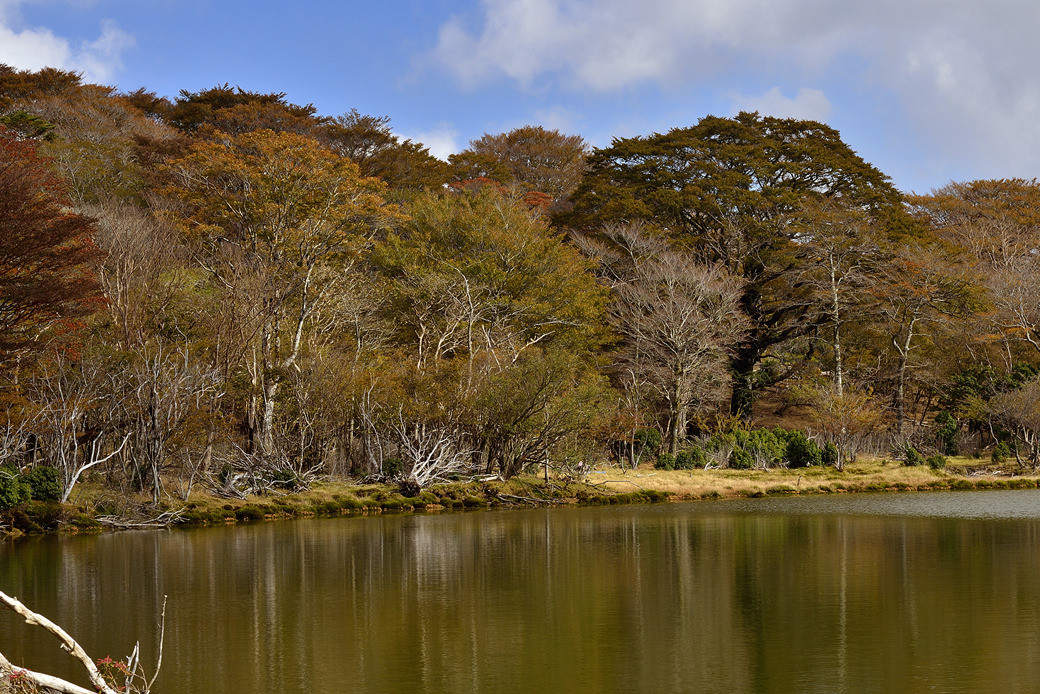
[961,72]
[38,47]
[809,104]
[557,118]
[442,141]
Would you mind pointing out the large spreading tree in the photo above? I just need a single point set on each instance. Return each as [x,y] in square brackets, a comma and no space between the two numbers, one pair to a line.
[726,190]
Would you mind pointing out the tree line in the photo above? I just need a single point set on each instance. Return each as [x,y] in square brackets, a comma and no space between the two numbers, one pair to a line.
[230,289]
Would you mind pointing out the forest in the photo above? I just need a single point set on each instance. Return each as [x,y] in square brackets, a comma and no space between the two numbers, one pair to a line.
[229,291]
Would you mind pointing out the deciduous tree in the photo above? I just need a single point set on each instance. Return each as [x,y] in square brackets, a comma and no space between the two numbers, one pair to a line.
[47,256]
[531,157]
[680,319]
[369,142]
[279,208]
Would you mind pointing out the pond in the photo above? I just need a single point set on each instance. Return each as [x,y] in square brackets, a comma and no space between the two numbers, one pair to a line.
[900,593]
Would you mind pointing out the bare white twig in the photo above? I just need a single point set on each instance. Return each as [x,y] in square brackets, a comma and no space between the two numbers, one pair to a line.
[67,643]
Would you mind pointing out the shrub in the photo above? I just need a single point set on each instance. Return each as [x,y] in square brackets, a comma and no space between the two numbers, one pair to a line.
[45,483]
[287,479]
[647,441]
[801,451]
[1001,453]
[691,458]
[393,467]
[937,461]
[13,489]
[830,455]
[249,513]
[947,432]
[911,458]
[48,514]
[763,446]
[665,461]
[741,459]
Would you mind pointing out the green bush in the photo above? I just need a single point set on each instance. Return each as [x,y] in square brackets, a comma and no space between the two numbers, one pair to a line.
[392,467]
[249,513]
[911,458]
[801,451]
[741,460]
[45,483]
[48,514]
[13,489]
[287,479]
[937,462]
[830,455]
[946,432]
[691,458]
[1001,453]
[665,461]
[763,446]
[647,441]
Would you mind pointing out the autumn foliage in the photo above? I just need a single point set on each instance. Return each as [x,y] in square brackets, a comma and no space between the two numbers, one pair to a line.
[269,294]
[47,256]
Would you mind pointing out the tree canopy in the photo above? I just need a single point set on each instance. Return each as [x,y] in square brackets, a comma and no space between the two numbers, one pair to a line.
[725,189]
[47,256]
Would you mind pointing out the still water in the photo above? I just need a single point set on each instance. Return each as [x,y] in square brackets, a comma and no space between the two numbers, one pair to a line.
[896,593]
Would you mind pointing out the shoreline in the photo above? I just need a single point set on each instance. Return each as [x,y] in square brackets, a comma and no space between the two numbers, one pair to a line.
[94,511]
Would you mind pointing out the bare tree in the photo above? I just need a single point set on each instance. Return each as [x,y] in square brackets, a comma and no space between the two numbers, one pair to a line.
[74,418]
[1019,411]
[143,271]
[1015,288]
[680,318]
[430,453]
[842,256]
[846,419]
[920,287]
[164,389]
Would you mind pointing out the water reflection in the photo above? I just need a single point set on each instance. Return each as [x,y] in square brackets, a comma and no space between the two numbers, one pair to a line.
[851,594]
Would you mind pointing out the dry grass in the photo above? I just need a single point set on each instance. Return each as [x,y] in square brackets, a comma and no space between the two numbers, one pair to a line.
[864,475]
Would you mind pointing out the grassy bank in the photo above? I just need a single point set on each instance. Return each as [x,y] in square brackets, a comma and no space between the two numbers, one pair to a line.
[94,509]
[863,476]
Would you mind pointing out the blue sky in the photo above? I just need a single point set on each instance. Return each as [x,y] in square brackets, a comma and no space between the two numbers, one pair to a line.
[928,91]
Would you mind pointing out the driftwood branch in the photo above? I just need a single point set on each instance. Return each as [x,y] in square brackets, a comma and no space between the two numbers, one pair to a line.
[163,520]
[529,500]
[68,644]
[41,680]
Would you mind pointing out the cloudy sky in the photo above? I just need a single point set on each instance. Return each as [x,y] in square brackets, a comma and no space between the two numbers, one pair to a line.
[927,90]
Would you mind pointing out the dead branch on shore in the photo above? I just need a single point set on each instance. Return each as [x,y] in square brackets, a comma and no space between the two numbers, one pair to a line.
[68,644]
[528,499]
[163,520]
[133,672]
